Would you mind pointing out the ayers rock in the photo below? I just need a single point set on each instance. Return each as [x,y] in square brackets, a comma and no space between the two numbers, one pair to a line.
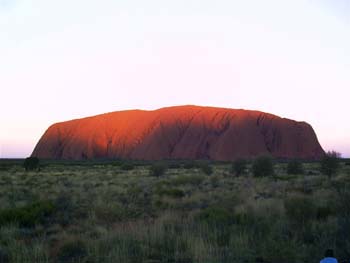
[181,132]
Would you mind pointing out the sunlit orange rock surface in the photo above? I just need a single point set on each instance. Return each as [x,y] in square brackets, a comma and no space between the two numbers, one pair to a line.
[182,132]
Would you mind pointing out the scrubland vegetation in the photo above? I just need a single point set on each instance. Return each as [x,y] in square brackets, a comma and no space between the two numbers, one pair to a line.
[174,211]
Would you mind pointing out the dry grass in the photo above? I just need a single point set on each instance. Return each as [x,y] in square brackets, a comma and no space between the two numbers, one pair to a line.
[129,216]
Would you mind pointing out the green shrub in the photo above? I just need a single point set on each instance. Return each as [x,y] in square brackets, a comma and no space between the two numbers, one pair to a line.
[215,216]
[244,218]
[169,245]
[27,216]
[175,165]
[206,168]
[72,251]
[162,250]
[172,192]
[263,166]
[295,167]
[215,180]
[118,163]
[128,248]
[31,163]
[5,167]
[127,166]
[330,163]
[110,214]
[300,210]
[323,212]
[343,201]
[190,165]
[342,237]
[4,257]
[277,250]
[65,209]
[187,179]
[157,170]
[239,167]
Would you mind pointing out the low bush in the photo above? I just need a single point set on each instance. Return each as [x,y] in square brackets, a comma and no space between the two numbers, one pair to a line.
[244,218]
[169,248]
[161,250]
[31,163]
[64,209]
[157,170]
[4,257]
[295,167]
[187,179]
[127,166]
[172,192]
[215,216]
[5,167]
[72,251]
[343,201]
[174,165]
[118,163]
[215,180]
[263,166]
[206,168]
[300,210]
[323,212]
[190,164]
[342,237]
[110,214]
[330,163]
[27,216]
[276,250]
[123,247]
[239,167]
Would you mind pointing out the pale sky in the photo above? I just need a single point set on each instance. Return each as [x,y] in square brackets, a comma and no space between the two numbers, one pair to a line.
[66,59]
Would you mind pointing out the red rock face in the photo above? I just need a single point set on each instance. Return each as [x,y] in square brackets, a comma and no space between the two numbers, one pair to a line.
[183,132]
